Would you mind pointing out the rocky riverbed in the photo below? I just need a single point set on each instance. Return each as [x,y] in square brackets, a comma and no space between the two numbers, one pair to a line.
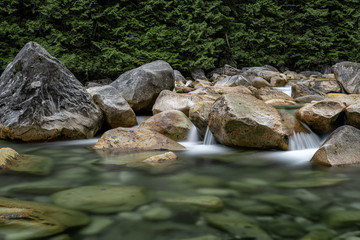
[144,176]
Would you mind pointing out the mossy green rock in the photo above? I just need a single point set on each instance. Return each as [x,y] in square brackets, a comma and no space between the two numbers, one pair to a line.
[342,218]
[157,214]
[102,198]
[31,220]
[206,237]
[195,203]
[319,235]
[238,225]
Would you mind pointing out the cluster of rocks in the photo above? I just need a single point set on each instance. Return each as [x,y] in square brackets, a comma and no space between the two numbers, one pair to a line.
[41,100]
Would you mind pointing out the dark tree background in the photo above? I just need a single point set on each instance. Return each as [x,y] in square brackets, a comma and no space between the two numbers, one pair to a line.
[99,39]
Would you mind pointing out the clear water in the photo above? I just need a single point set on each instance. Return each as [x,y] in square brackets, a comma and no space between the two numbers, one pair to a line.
[280,191]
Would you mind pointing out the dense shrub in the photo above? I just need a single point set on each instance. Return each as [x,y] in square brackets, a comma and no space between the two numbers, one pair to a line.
[98,39]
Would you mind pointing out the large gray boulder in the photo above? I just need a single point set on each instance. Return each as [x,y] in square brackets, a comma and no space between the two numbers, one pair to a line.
[348,75]
[118,112]
[245,121]
[341,147]
[141,86]
[353,115]
[232,81]
[41,100]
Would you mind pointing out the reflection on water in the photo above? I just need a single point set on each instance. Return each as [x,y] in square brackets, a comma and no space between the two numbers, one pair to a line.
[277,194]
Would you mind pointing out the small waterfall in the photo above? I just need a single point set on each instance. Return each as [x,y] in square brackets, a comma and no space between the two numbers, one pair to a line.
[209,138]
[286,89]
[193,135]
[140,120]
[299,141]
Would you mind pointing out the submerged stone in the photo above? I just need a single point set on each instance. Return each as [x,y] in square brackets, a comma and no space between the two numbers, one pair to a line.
[206,237]
[32,220]
[238,225]
[12,161]
[343,218]
[102,198]
[41,100]
[157,214]
[311,183]
[97,225]
[195,203]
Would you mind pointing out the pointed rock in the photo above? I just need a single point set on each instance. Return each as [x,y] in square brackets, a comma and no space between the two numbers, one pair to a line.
[348,75]
[340,148]
[41,100]
[141,86]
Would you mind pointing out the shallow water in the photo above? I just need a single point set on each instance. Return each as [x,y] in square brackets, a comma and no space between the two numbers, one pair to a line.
[279,191]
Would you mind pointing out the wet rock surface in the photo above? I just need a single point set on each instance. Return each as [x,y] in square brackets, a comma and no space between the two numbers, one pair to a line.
[117,111]
[135,139]
[245,121]
[340,148]
[41,100]
[173,123]
[141,86]
[353,115]
[322,116]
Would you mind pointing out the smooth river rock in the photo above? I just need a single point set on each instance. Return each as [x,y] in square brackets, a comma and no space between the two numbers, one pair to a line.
[169,100]
[322,116]
[41,100]
[125,139]
[173,123]
[141,86]
[195,203]
[118,112]
[245,121]
[348,75]
[102,198]
[33,220]
[340,148]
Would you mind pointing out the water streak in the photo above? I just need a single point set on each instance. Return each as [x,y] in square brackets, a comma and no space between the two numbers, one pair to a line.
[193,135]
[209,138]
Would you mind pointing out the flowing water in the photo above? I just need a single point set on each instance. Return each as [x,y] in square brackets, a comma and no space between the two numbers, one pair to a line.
[278,191]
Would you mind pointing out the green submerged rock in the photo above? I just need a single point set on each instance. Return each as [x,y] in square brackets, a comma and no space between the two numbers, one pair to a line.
[319,235]
[38,188]
[343,218]
[12,161]
[32,220]
[195,203]
[102,198]
[97,225]
[238,225]
[206,237]
[157,213]
[311,183]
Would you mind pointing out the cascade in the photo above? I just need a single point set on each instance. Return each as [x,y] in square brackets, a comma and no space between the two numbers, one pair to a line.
[299,141]
[209,138]
[140,119]
[193,135]
[286,89]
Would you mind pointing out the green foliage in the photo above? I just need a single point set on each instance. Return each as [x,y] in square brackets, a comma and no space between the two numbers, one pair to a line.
[98,39]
